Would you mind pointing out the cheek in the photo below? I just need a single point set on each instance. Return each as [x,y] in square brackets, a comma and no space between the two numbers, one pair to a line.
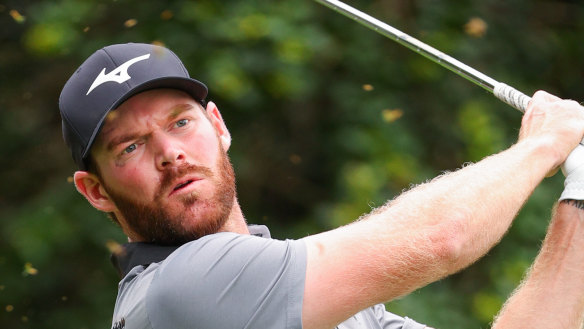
[133,181]
[204,148]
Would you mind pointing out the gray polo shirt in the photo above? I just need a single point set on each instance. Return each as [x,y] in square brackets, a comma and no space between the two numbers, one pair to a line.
[223,281]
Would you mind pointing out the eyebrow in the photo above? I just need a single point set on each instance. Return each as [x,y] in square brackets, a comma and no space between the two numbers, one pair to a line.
[179,109]
[119,140]
[175,112]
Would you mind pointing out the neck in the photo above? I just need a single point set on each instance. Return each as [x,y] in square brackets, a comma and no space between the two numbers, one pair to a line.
[236,223]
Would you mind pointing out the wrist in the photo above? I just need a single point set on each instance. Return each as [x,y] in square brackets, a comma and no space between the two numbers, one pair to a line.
[542,152]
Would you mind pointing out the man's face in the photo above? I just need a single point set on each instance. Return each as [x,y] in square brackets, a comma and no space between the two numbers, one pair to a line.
[163,163]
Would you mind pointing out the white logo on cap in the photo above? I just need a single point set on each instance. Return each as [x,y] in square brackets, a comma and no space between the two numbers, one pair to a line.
[119,74]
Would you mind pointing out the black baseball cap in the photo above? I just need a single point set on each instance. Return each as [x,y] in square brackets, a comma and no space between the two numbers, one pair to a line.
[110,76]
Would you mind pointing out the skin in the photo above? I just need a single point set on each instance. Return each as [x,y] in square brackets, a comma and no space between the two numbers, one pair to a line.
[551,294]
[425,234]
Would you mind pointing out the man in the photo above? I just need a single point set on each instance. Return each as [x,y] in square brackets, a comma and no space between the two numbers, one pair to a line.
[152,152]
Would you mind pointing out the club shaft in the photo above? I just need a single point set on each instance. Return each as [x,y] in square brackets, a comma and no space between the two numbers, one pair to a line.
[500,90]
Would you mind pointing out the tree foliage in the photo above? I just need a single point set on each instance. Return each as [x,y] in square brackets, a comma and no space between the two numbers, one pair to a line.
[328,120]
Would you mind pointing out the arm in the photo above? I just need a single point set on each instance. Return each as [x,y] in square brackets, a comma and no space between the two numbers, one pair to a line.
[436,228]
[552,294]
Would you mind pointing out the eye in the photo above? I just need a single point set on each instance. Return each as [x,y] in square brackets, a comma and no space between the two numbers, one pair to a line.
[181,123]
[131,148]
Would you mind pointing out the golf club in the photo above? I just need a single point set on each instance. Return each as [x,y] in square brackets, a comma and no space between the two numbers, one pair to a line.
[502,91]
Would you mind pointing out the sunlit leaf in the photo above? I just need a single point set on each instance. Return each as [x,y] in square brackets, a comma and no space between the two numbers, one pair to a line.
[476,27]
[166,14]
[368,87]
[29,269]
[17,16]
[130,22]
[390,115]
[114,247]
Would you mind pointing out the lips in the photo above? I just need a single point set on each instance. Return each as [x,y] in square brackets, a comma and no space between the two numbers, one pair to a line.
[182,184]
[181,178]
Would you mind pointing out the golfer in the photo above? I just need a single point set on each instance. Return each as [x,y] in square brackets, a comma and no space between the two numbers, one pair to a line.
[152,153]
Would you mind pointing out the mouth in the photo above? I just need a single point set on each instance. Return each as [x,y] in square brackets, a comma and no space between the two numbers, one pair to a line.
[182,185]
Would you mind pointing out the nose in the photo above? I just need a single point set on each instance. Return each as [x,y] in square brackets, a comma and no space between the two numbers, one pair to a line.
[169,152]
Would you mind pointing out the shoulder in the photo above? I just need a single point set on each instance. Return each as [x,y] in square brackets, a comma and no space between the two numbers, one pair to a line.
[206,280]
[221,259]
[225,251]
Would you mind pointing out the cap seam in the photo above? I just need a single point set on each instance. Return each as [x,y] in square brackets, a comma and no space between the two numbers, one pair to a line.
[180,63]
[65,116]
[70,126]
[70,123]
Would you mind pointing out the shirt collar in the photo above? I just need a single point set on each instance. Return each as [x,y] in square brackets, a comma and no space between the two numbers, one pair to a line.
[141,253]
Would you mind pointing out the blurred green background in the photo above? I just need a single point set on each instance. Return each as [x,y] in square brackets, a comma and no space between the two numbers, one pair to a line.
[328,120]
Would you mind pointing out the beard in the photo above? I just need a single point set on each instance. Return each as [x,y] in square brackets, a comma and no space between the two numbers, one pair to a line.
[198,217]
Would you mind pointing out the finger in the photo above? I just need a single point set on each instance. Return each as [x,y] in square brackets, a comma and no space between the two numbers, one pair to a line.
[539,102]
[544,96]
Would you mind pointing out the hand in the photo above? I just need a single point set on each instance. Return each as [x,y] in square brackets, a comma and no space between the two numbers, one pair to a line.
[556,124]
[573,169]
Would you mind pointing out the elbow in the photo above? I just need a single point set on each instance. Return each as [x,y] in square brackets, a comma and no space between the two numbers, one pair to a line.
[449,244]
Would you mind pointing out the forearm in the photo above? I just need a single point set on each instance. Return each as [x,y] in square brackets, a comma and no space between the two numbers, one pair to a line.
[427,233]
[552,295]
[474,206]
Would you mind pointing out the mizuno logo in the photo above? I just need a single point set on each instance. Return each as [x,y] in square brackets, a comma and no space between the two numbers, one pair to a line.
[119,74]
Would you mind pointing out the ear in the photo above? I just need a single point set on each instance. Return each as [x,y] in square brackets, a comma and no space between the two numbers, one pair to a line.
[92,189]
[219,125]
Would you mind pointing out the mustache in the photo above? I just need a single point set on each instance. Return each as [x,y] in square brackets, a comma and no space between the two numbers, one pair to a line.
[176,172]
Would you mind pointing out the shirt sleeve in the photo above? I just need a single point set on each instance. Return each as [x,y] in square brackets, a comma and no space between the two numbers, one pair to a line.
[230,281]
[377,317]
[389,320]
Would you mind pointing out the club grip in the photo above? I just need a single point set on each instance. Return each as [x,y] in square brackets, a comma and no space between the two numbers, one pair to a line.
[514,98]
[511,96]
